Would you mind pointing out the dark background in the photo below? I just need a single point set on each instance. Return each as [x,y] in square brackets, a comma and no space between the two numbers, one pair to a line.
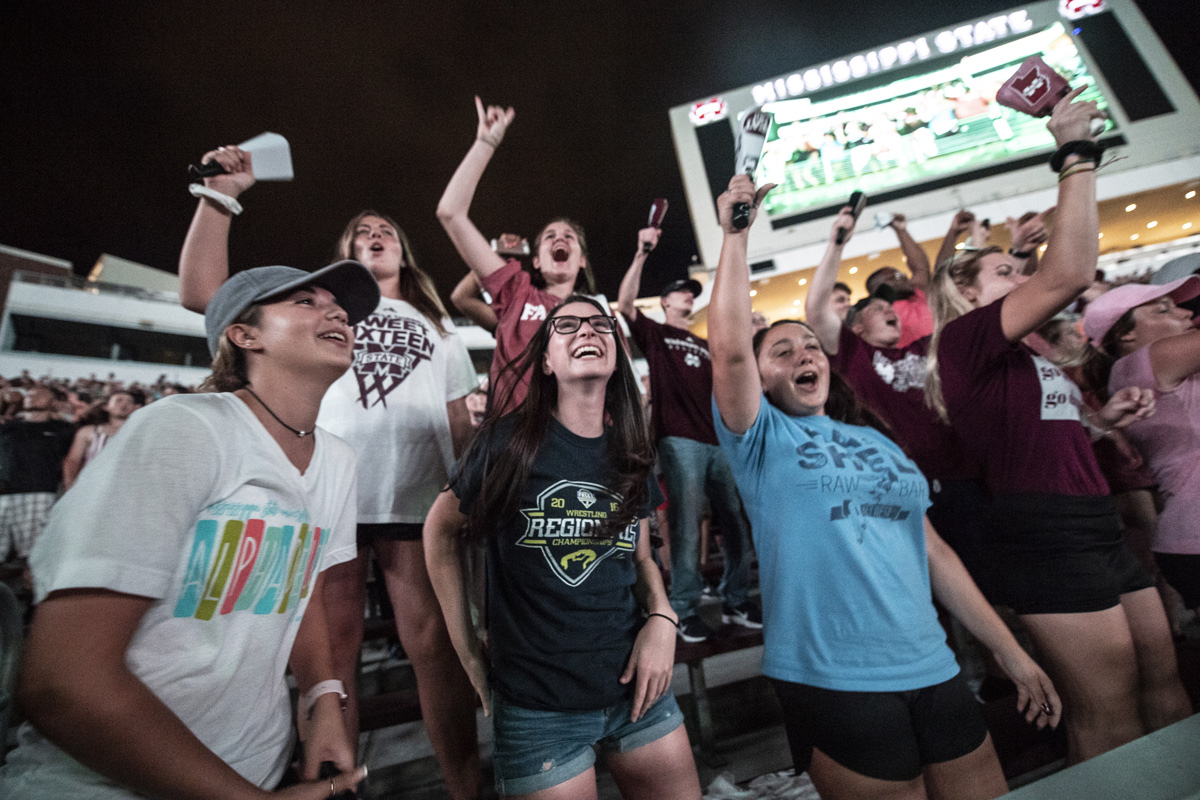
[104,105]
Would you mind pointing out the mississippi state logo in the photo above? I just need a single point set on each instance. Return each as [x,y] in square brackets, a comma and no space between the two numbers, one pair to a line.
[561,526]
[1032,84]
[386,351]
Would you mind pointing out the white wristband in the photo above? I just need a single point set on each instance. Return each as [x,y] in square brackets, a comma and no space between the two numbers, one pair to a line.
[319,689]
[200,190]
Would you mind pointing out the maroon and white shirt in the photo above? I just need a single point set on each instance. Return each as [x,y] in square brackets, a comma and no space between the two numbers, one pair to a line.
[891,381]
[520,310]
[1015,411]
[680,379]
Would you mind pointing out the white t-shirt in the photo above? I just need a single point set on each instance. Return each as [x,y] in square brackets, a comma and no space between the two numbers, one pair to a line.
[391,407]
[196,506]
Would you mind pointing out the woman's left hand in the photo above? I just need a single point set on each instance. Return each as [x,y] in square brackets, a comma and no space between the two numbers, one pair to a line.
[1036,697]
[325,738]
[651,664]
[1125,407]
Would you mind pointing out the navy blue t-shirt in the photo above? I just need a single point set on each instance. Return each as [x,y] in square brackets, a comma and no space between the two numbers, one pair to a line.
[562,616]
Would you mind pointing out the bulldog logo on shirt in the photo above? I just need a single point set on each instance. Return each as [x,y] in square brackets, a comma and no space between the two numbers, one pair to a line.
[561,526]
[386,351]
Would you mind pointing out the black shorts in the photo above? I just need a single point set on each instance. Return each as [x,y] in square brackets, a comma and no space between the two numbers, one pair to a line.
[962,515]
[389,531]
[1062,554]
[1182,571]
[885,735]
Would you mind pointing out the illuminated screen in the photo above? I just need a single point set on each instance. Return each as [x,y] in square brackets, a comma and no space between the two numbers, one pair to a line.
[911,131]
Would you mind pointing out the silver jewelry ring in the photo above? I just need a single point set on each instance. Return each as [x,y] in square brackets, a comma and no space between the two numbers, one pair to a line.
[332,790]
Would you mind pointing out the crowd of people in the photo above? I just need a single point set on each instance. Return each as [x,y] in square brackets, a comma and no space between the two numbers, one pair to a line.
[949,443]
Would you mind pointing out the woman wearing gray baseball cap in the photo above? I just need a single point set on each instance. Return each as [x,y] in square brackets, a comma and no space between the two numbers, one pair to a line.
[174,585]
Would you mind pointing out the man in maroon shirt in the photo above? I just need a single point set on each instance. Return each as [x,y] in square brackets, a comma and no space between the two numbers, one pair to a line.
[909,301]
[692,463]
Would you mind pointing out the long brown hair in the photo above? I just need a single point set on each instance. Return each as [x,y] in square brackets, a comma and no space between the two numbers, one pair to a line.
[842,404]
[947,303]
[416,287]
[630,449]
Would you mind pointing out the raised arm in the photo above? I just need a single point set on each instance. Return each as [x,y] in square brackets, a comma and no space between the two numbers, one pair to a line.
[918,261]
[958,226]
[736,385]
[204,260]
[1069,264]
[455,205]
[817,312]
[1175,359]
[1028,233]
[632,281]
[443,526]
[955,590]
[467,297]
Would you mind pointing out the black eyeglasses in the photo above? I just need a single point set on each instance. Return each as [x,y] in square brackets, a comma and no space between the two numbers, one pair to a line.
[601,323]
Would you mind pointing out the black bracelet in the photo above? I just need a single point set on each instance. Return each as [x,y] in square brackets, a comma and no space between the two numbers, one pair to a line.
[1020,253]
[664,616]
[1086,149]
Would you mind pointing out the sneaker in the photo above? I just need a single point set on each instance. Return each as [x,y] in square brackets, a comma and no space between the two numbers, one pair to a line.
[694,629]
[748,615]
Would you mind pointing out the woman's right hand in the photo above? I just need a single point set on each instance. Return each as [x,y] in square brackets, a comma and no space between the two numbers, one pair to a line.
[323,789]
[493,122]
[237,164]
[1072,121]
[741,190]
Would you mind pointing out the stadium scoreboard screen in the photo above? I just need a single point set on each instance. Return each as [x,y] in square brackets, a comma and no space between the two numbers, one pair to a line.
[918,120]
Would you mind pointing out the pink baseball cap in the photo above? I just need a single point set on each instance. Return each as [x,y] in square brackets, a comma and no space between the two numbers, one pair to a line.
[1103,312]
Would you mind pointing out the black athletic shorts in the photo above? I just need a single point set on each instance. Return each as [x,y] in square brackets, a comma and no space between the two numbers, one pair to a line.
[1182,571]
[1061,554]
[961,513]
[885,735]
[391,531]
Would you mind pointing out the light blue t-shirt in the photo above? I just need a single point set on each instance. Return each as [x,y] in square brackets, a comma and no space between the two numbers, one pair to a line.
[837,512]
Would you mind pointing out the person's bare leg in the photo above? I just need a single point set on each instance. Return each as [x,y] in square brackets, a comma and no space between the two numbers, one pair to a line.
[1161,696]
[975,776]
[835,782]
[345,593]
[1090,657]
[660,770]
[581,787]
[447,698]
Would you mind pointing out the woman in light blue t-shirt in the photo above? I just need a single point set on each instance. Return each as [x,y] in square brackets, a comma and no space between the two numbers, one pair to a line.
[873,700]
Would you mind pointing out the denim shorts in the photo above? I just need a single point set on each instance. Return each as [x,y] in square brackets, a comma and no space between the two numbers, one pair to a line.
[534,750]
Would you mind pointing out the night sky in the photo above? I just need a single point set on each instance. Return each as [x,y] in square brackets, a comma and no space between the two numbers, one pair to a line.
[105,103]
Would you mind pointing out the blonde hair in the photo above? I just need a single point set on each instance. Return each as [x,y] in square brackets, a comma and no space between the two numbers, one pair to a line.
[947,303]
[229,369]
[416,287]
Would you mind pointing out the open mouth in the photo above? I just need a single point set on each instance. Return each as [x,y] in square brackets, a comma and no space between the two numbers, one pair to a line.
[586,351]
[334,335]
[807,380]
[560,254]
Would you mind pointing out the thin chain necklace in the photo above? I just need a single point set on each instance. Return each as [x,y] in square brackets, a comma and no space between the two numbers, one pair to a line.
[299,433]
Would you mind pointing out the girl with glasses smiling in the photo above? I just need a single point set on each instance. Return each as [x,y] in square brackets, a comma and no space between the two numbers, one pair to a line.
[558,491]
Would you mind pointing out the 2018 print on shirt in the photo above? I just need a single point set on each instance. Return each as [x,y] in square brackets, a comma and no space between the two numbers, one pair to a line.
[559,525]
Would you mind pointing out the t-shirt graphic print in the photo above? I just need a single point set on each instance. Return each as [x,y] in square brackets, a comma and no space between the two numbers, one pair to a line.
[387,348]
[561,524]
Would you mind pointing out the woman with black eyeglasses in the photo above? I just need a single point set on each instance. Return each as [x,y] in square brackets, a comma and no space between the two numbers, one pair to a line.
[557,490]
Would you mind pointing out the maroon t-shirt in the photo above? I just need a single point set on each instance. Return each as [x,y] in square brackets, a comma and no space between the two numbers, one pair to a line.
[1015,410]
[891,381]
[520,310]
[680,379]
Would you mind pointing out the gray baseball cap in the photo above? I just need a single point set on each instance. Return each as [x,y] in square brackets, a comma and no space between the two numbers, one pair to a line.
[356,290]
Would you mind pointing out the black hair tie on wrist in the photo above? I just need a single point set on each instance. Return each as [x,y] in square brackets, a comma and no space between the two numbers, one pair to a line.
[664,616]
[1084,148]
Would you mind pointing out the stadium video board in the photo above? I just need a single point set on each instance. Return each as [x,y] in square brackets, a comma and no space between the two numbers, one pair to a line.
[916,125]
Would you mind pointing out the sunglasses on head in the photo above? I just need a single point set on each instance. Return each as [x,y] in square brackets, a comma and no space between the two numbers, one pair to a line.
[567,323]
